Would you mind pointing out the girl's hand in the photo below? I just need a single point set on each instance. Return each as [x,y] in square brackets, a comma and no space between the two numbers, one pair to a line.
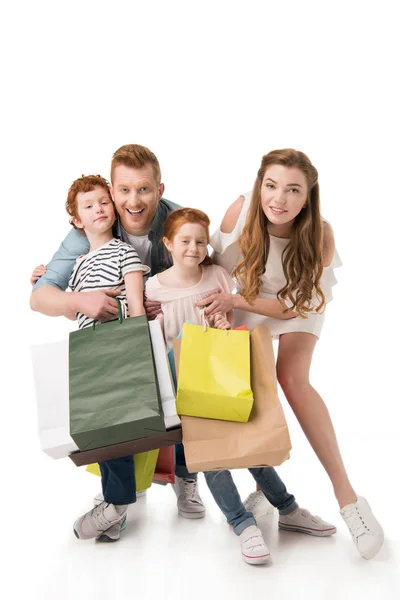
[37,273]
[218,302]
[220,321]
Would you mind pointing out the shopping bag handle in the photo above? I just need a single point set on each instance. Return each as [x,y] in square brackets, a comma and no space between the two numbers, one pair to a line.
[120,315]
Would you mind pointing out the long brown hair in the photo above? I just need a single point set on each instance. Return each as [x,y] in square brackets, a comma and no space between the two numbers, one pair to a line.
[302,258]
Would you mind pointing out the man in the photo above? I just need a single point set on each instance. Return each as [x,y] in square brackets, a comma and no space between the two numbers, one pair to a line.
[142,211]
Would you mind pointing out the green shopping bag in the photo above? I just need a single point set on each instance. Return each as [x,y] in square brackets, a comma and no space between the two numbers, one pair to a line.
[113,391]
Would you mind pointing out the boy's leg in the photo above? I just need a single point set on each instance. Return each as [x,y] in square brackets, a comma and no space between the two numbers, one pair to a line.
[291,517]
[118,480]
[105,521]
[226,495]
[190,505]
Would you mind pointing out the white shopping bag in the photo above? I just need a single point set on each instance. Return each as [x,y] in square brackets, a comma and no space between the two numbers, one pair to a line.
[50,370]
[164,378]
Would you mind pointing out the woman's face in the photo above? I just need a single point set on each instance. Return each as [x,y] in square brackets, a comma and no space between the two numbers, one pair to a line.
[283,194]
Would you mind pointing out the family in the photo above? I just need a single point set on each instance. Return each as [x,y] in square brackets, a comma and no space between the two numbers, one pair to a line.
[275,249]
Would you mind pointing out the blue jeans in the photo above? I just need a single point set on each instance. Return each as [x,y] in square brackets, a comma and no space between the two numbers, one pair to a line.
[227,497]
[118,477]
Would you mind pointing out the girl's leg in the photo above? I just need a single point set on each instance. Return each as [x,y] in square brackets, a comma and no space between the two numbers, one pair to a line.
[227,497]
[293,368]
[253,547]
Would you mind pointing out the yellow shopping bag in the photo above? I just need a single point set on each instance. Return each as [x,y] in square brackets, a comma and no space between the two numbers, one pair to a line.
[145,465]
[214,374]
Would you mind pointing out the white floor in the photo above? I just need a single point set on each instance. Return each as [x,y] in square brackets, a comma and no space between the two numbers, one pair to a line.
[163,555]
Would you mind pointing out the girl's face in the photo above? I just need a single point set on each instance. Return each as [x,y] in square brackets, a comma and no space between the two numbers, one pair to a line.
[283,194]
[189,246]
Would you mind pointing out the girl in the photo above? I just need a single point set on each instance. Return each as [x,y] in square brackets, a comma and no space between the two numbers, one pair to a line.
[282,255]
[179,289]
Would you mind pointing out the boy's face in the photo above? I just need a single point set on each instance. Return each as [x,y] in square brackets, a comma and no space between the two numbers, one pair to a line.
[136,194]
[96,213]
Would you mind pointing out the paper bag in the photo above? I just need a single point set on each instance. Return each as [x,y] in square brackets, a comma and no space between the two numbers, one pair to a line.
[264,440]
[214,374]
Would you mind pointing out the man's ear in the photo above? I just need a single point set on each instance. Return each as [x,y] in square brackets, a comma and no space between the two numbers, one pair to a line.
[161,190]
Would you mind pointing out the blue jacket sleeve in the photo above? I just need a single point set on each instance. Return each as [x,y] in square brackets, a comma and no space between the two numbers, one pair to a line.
[60,268]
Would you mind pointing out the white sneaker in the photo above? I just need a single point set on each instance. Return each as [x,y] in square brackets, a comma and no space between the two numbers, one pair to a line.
[303,521]
[98,520]
[100,498]
[189,503]
[114,533]
[254,549]
[257,504]
[367,534]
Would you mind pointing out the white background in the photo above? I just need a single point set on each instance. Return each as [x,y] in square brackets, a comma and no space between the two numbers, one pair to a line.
[209,87]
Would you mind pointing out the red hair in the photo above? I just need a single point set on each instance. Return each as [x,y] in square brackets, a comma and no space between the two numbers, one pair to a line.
[86,183]
[180,217]
[136,157]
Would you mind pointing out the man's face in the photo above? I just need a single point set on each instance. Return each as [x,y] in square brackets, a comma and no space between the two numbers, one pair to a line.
[136,195]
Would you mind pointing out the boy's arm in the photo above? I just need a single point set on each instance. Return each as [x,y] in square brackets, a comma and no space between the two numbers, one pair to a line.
[134,293]
[49,296]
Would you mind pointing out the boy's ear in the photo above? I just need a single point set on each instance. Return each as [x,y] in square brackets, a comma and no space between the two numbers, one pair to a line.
[77,222]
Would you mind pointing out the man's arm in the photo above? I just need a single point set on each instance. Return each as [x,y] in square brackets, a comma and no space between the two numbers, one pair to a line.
[49,296]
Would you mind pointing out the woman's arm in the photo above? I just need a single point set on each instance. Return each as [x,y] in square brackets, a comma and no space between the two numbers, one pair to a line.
[134,293]
[221,302]
[328,244]
[230,219]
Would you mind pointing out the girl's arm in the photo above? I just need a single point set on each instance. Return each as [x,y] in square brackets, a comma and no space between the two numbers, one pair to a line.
[328,244]
[134,293]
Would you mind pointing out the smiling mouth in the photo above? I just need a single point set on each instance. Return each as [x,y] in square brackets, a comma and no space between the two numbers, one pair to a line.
[278,211]
[135,212]
[99,219]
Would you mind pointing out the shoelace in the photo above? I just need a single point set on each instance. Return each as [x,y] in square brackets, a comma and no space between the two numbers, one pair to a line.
[355,523]
[253,499]
[99,517]
[189,489]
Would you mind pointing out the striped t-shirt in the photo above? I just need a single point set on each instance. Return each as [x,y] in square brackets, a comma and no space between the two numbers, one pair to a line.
[105,268]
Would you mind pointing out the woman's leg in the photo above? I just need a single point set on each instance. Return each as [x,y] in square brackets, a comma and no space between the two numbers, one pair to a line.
[293,368]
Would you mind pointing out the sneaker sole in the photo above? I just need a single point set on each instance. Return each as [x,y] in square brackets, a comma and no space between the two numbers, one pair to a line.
[307,530]
[256,560]
[105,538]
[191,515]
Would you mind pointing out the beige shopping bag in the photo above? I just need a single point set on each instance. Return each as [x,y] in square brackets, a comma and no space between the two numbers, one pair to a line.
[264,440]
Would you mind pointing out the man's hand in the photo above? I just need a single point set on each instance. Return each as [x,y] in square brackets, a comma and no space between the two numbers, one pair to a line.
[37,273]
[217,302]
[152,309]
[99,305]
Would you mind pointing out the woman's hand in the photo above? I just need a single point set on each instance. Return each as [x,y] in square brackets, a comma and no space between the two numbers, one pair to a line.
[217,302]
[37,273]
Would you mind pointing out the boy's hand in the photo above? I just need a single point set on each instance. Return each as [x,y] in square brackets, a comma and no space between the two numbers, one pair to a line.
[37,273]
